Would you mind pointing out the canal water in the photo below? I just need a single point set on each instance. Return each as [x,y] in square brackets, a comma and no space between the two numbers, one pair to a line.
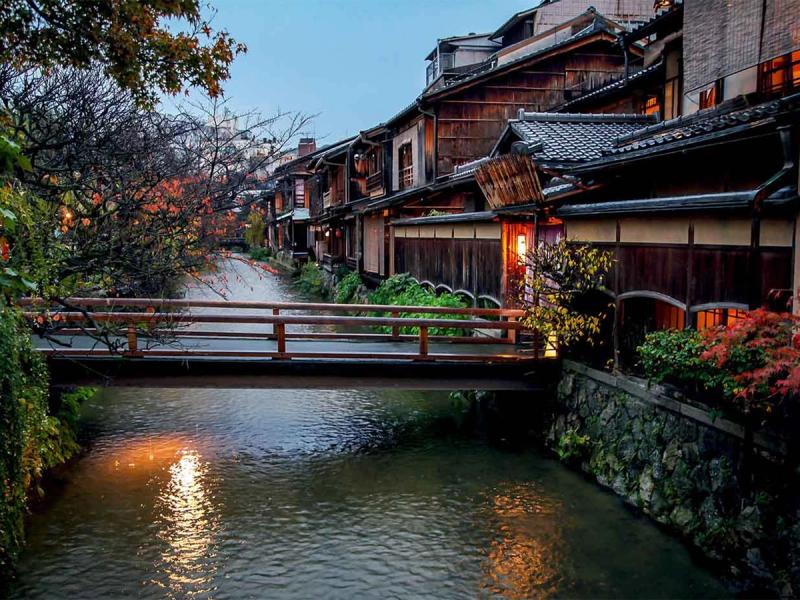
[328,494]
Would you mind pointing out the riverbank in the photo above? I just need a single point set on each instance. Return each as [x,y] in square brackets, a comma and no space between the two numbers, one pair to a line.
[38,431]
[687,469]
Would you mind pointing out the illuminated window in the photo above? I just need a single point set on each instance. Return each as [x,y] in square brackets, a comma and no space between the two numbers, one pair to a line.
[716,317]
[711,96]
[522,247]
[651,106]
[780,75]
[669,316]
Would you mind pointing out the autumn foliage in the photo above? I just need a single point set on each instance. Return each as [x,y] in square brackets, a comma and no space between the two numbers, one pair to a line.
[751,366]
[760,356]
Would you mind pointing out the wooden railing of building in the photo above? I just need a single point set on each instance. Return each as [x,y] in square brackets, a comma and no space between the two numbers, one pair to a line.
[151,318]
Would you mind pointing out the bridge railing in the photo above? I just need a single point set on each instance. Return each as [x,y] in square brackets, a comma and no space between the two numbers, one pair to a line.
[157,315]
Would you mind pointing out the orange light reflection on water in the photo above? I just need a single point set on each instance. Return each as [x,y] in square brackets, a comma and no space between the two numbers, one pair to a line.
[185,515]
[525,556]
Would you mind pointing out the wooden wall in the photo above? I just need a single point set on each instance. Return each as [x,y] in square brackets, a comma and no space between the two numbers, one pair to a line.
[469,121]
[692,274]
[474,265]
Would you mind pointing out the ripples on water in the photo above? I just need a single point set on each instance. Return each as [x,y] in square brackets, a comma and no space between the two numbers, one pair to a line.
[329,494]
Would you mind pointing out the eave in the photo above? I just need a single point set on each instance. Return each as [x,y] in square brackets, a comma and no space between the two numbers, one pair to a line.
[544,54]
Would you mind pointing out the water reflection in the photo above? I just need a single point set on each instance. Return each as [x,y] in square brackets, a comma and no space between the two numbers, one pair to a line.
[298,494]
[525,555]
[187,524]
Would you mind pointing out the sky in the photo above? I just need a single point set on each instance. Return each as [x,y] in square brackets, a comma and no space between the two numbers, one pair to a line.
[354,63]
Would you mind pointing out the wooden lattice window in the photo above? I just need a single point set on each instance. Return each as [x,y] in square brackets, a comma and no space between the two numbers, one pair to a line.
[405,166]
[781,75]
[651,106]
[716,317]
[711,96]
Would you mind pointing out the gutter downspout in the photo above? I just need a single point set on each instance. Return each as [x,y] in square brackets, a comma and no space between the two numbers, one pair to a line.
[625,56]
[764,191]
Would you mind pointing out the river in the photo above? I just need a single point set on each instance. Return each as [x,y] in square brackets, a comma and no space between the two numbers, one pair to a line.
[328,494]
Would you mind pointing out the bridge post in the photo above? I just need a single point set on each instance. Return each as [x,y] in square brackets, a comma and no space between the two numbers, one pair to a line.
[280,329]
[512,333]
[276,312]
[133,340]
[395,328]
[423,341]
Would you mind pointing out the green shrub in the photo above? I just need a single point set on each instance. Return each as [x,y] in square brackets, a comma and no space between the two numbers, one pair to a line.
[34,435]
[347,287]
[573,447]
[402,289]
[311,281]
[675,356]
[254,235]
[262,254]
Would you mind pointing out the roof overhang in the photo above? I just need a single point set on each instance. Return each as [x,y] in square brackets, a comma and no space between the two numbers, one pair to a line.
[468,217]
[782,198]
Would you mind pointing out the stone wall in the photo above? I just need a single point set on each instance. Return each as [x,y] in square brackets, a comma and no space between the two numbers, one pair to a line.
[689,471]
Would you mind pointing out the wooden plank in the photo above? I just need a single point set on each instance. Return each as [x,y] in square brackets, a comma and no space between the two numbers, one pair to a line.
[107,317]
[296,306]
[438,356]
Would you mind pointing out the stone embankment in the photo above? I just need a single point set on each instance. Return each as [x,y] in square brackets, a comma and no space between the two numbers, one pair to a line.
[688,469]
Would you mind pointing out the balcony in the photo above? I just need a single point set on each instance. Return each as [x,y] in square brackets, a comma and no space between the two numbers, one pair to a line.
[375,184]
[406,177]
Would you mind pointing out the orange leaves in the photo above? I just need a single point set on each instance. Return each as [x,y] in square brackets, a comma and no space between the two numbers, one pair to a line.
[5,251]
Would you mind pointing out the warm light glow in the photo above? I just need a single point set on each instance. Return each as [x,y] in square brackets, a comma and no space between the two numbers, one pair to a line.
[523,558]
[551,346]
[189,524]
[522,247]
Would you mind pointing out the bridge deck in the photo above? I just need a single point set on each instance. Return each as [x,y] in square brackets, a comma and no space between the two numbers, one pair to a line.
[168,340]
[243,347]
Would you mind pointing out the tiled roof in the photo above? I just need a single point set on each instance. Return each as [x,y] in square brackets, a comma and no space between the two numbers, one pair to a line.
[663,15]
[470,166]
[569,138]
[725,116]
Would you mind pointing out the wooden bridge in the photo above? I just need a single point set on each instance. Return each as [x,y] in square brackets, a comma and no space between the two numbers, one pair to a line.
[216,343]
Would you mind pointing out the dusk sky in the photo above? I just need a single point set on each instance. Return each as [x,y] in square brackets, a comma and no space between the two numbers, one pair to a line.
[355,62]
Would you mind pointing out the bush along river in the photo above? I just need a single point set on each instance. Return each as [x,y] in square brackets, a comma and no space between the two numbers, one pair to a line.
[329,494]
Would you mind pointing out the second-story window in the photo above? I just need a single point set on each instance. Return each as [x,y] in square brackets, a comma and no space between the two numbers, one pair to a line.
[712,95]
[300,193]
[405,159]
[374,170]
[651,106]
[781,75]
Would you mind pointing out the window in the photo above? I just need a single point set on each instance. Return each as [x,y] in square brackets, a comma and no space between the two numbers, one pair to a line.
[706,319]
[781,75]
[672,97]
[406,166]
[712,95]
[669,316]
[651,106]
[299,193]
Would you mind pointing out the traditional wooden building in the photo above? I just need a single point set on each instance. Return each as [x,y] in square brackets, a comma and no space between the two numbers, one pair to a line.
[699,211]
[431,148]
[288,219]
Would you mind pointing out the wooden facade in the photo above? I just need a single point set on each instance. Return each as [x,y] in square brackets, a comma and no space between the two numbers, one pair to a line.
[470,115]
[459,257]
